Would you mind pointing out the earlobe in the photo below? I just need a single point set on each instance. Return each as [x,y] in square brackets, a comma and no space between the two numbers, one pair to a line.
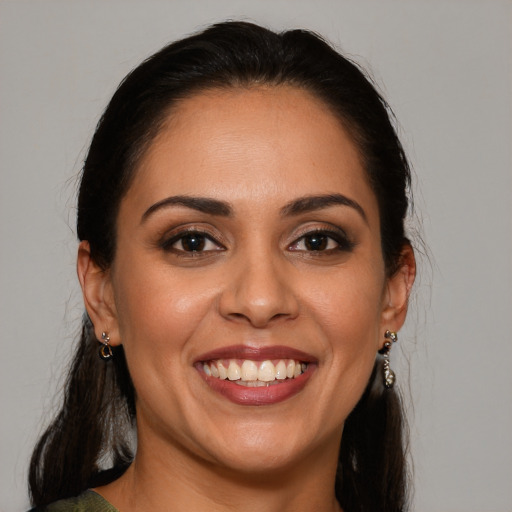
[98,294]
[398,289]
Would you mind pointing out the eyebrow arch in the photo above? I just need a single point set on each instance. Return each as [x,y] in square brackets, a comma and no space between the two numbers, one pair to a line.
[312,203]
[201,204]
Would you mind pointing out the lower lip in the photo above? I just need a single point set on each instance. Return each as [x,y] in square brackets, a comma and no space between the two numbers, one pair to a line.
[267,395]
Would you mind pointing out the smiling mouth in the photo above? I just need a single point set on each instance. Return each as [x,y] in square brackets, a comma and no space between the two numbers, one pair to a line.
[250,373]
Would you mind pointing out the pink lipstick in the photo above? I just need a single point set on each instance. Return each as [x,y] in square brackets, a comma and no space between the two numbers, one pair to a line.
[256,375]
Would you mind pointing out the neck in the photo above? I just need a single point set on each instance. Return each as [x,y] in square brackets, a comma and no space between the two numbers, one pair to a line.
[165,477]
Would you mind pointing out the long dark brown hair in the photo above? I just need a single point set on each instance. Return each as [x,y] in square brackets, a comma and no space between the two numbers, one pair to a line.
[88,443]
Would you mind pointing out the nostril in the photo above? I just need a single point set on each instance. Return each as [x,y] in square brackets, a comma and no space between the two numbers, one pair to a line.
[239,315]
[258,321]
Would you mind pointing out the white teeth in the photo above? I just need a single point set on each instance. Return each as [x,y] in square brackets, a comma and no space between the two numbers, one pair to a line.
[267,371]
[233,371]
[281,370]
[254,373]
[254,383]
[290,369]
[223,373]
[249,370]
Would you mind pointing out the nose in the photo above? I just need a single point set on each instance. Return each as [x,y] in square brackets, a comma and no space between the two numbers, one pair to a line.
[259,291]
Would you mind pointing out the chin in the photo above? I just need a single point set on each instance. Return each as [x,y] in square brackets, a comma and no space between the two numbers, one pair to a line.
[261,461]
[265,449]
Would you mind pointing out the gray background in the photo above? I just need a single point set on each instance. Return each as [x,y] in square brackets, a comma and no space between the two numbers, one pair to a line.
[446,69]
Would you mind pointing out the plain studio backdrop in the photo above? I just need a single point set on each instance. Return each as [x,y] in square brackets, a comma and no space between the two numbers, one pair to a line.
[446,69]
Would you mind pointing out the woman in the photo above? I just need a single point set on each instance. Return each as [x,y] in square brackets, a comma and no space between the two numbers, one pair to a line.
[244,269]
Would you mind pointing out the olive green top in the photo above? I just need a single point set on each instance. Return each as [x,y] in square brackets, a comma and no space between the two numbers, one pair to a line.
[89,501]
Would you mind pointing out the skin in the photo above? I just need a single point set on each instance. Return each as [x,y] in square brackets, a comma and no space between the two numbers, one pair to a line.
[256,283]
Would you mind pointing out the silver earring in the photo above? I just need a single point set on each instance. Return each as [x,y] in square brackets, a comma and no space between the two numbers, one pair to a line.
[389,374]
[105,351]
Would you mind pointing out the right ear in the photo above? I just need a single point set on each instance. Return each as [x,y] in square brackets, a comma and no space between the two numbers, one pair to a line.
[98,294]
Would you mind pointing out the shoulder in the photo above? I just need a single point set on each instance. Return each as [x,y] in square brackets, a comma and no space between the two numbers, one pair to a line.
[89,501]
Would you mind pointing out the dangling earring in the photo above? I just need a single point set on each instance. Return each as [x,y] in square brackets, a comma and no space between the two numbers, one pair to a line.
[389,374]
[105,351]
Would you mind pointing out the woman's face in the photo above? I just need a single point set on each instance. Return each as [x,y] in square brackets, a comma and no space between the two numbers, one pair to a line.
[248,246]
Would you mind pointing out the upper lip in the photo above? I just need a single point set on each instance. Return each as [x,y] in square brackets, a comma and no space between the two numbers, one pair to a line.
[257,353]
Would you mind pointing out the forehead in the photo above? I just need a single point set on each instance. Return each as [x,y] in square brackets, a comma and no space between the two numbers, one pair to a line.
[259,143]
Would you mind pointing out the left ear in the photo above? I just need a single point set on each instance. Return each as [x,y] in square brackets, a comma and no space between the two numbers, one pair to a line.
[398,289]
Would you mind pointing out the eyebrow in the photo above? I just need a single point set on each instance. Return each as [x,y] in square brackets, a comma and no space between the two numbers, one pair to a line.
[313,203]
[224,209]
[201,204]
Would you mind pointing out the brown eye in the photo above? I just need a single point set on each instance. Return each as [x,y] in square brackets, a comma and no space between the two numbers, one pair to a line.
[193,242]
[322,242]
[316,242]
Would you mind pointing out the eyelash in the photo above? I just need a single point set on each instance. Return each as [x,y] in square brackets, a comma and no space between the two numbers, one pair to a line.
[343,243]
[339,237]
[167,245]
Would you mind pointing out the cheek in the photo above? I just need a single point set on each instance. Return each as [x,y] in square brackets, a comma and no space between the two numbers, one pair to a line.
[159,309]
[347,304]
[159,314]
[348,311]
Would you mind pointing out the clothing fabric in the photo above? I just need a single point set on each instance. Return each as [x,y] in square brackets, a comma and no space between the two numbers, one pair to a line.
[88,501]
